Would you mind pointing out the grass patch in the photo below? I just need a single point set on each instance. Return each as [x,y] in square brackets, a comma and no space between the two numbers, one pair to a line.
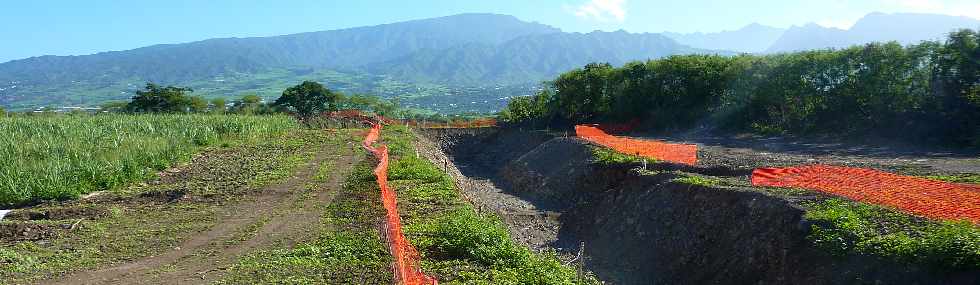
[607,156]
[959,178]
[62,157]
[843,227]
[135,228]
[457,244]
[697,180]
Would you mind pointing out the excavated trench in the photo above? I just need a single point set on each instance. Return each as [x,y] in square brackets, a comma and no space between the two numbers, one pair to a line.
[648,228]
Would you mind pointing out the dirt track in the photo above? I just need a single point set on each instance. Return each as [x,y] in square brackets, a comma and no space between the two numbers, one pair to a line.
[280,215]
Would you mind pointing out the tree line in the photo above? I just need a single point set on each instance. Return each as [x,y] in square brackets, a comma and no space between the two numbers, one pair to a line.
[304,100]
[927,91]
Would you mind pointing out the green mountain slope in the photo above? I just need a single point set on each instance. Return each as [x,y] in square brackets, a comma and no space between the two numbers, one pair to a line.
[410,59]
[528,58]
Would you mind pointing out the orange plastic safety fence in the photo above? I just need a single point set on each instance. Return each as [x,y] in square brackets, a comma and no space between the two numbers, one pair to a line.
[677,153]
[919,196]
[406,258]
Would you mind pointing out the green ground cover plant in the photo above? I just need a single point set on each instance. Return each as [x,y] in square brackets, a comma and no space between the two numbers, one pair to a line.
[59,157]
[134,227]
[843,226]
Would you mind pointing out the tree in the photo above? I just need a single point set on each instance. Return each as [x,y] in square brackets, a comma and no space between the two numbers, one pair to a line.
[248,104]
[197,104]
[158,99]
[3,112]
[360,102]
[218,105]
[307,99]
[114,106]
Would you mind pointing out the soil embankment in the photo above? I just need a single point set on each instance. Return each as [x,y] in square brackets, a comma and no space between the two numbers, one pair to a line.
[651,228]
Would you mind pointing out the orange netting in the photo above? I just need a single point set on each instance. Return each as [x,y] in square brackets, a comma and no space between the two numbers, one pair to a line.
[678,153]
[919,196]
[406,258]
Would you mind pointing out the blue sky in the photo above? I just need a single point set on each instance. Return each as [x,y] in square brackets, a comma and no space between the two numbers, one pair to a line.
[70,27]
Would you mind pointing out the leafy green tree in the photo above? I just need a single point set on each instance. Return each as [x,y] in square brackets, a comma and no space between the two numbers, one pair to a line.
[248,104]
[959,79]
[360,102]
[3,112]
[928,90]
[218,105]
[387,108]
[159,99]
[197,104]
[307,99]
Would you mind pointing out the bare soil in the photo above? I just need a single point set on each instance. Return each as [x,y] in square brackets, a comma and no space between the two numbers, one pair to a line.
[278,215]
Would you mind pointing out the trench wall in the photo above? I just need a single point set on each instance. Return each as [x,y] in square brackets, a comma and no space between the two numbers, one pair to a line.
[648,229]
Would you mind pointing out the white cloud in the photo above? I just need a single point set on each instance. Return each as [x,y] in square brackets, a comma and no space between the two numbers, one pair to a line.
[601,10]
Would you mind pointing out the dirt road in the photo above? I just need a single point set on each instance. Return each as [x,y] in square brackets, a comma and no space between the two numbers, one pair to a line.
[280,215]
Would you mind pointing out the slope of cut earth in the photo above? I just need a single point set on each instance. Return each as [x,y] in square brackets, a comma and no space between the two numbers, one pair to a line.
[531,226]
[459,244]
[190,225]
[697,225]
[919,196]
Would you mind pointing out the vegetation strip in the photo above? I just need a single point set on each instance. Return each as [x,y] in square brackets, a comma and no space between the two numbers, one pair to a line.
[62,157]
[457,244]
[406,257]
[924,197]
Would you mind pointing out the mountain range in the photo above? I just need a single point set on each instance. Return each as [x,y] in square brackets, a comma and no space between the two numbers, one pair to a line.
[753,38]
[471,56]
[905,28]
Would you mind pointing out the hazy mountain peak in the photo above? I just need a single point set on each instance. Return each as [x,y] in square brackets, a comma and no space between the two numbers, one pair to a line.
[905,28]
[753,37]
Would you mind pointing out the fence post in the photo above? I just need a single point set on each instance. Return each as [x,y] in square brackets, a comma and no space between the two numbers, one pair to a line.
[581,261]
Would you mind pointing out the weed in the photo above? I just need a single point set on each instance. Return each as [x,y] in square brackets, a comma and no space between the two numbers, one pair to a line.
[607,156]
[697,180]
[843,226]
[959,178]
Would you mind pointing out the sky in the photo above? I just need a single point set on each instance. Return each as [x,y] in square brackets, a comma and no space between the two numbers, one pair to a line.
[71,27]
